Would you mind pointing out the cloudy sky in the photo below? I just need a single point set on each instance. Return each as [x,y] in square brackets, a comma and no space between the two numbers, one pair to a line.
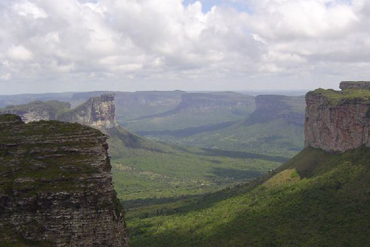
[128,45]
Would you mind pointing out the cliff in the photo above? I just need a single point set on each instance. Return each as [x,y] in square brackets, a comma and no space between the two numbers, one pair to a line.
[56,186]
[337,121]
[272,107]
[37,110]
[98,112]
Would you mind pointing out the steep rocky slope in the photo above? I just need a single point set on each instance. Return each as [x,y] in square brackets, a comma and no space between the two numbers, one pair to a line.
[272,107]
[337,121]
[56,186]
[99,112]
[37,110]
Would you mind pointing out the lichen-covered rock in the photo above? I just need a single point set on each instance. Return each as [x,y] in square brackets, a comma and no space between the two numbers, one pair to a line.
[56,186]
[337,121]
[98,112]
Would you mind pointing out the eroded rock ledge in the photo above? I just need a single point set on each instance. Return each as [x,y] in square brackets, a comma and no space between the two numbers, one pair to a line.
[337,121]
[56,186]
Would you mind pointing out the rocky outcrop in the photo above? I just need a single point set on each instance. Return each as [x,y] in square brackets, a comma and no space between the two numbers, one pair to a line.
[56,186]
[98,112]
[37,110]
[272,107]
[337,121]
[364,85]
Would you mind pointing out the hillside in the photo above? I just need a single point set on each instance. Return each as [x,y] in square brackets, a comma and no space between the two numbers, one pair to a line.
[315,199]
[318,198]
[145,170]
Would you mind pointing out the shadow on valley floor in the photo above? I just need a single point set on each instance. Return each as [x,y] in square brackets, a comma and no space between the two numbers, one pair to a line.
[235,174]
[244,155]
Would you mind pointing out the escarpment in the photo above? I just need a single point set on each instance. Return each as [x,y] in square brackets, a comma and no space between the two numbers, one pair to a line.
[213,100]
[270,107]
[97,112]
[337,121]
[56,186]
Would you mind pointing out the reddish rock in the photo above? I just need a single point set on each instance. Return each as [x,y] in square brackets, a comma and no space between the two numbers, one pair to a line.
[338,121]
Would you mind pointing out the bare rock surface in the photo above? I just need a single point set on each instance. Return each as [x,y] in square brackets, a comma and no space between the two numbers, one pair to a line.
[56,186]
[337,121]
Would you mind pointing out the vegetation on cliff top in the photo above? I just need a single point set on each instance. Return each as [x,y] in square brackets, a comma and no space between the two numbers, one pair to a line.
[45,155]
[315,199]
[342,97]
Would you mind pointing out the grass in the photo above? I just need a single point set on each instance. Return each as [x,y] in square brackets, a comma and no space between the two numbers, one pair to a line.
[48,160]
[342,97]
[315,199]
[147,174]
[276,137]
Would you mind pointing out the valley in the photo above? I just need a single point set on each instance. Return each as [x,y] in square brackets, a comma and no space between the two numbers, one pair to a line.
[232,173]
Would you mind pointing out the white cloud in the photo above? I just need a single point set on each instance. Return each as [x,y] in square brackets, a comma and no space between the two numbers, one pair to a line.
[141,44]
[26,8]
[19,53]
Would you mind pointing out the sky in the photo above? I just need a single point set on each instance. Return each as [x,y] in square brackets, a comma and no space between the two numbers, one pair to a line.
[131,45]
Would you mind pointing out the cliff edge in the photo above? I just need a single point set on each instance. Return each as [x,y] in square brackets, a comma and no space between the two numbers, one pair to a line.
[337,121]
[56,186]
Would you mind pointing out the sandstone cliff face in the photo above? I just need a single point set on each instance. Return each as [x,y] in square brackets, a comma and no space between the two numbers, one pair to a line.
[337,121]
[271,107]
[37,110]
[56,186]
[98,112]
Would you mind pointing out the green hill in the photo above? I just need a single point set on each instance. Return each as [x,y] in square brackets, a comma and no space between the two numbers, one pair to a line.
[145,170]
[315,199]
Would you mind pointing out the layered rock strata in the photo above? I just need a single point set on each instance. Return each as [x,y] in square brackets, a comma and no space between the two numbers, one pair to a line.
[337,121]
[56,186]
